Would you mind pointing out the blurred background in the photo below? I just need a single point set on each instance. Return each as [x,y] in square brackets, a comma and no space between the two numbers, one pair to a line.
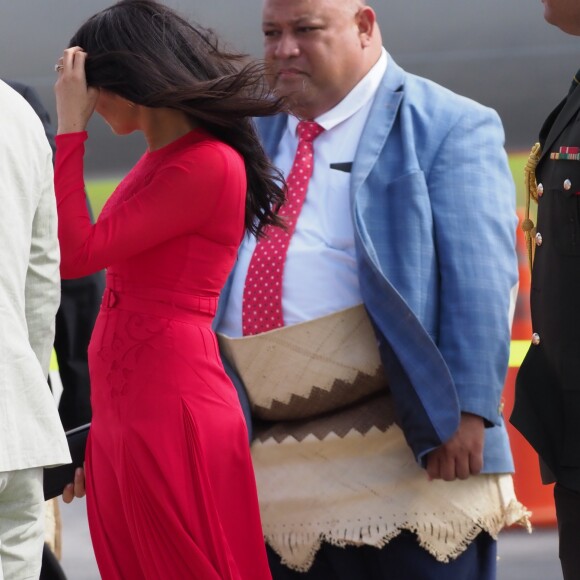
[500,53]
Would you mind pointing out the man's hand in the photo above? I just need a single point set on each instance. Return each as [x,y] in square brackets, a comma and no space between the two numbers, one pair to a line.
[76,489]
[462,455]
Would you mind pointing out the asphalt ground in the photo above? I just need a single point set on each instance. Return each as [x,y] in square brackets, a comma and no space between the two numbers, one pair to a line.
[521,556]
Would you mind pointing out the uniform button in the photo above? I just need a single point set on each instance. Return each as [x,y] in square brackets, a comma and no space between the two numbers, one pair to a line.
[567,184]
[539,239]
[535,339]
[540,189]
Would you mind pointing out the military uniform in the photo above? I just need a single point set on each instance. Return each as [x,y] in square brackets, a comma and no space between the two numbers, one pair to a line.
[547,405]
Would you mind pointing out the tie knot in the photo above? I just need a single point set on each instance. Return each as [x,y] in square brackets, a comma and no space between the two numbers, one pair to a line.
[308,130]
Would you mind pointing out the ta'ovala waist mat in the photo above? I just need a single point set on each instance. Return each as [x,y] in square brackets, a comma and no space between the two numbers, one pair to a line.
[330,463]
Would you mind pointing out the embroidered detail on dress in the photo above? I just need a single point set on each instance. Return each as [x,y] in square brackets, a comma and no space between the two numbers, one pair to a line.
[128,347]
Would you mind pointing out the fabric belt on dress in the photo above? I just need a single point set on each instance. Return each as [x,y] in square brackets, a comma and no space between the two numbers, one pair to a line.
[199,310]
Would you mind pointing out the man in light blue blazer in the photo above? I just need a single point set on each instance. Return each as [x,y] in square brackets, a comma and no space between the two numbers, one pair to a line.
[427,245]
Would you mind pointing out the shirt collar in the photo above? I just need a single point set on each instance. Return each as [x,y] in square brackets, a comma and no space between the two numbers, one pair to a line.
[358,97]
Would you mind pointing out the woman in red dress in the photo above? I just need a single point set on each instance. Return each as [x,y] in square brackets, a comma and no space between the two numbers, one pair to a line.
[169,482]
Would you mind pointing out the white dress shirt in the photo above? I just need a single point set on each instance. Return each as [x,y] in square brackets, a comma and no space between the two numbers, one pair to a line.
[320,273]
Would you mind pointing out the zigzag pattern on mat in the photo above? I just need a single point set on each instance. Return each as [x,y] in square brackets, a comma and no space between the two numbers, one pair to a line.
[375,411]
[319,400]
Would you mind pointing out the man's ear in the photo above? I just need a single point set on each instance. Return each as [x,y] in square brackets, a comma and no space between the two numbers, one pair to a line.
[366,20]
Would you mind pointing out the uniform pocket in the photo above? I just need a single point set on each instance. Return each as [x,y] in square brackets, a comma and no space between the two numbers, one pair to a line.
[566,223]
[559,207]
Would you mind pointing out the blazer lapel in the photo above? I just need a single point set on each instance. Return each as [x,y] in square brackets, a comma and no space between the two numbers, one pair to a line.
[568,111]
[379,123]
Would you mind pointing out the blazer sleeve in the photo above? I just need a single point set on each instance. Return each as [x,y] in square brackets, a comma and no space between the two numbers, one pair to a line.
[473,202]
[42,285]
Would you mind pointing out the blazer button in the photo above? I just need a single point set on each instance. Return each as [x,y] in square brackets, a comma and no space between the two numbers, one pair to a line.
[539,239]
[567,184]
[540,190]
[535,339]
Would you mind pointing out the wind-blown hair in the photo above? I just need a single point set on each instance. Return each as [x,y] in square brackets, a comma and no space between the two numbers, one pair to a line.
[148,54]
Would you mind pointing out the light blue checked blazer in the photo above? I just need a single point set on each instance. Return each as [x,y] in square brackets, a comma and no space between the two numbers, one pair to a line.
[433,205]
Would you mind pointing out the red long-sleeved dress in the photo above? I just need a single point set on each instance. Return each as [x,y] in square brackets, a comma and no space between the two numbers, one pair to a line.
[170,487]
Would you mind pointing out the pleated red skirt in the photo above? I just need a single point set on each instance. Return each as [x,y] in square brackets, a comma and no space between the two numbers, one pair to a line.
[170,488]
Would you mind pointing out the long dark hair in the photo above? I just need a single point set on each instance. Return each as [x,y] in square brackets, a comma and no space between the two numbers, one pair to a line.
[148,54]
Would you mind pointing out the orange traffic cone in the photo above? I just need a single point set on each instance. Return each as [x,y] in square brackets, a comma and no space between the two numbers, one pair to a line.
[530,491]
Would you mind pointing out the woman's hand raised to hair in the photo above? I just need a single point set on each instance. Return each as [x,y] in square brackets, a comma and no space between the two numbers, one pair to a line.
[75,101]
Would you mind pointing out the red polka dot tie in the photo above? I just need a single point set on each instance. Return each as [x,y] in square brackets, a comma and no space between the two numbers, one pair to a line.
[262,300]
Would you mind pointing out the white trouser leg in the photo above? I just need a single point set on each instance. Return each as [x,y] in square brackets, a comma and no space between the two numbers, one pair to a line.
[21,524]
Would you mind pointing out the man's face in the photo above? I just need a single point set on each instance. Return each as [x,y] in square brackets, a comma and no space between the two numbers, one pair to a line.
[565,14]
[313,51]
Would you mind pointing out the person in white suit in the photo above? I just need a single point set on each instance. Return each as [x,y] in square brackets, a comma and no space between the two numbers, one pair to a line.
[31,434]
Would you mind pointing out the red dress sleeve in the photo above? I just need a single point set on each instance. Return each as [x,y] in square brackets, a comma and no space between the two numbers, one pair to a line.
[179,199]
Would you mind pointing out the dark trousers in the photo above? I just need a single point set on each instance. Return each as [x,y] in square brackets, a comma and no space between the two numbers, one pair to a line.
[568,515]
[51,569]
[401,559]
[79,306]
